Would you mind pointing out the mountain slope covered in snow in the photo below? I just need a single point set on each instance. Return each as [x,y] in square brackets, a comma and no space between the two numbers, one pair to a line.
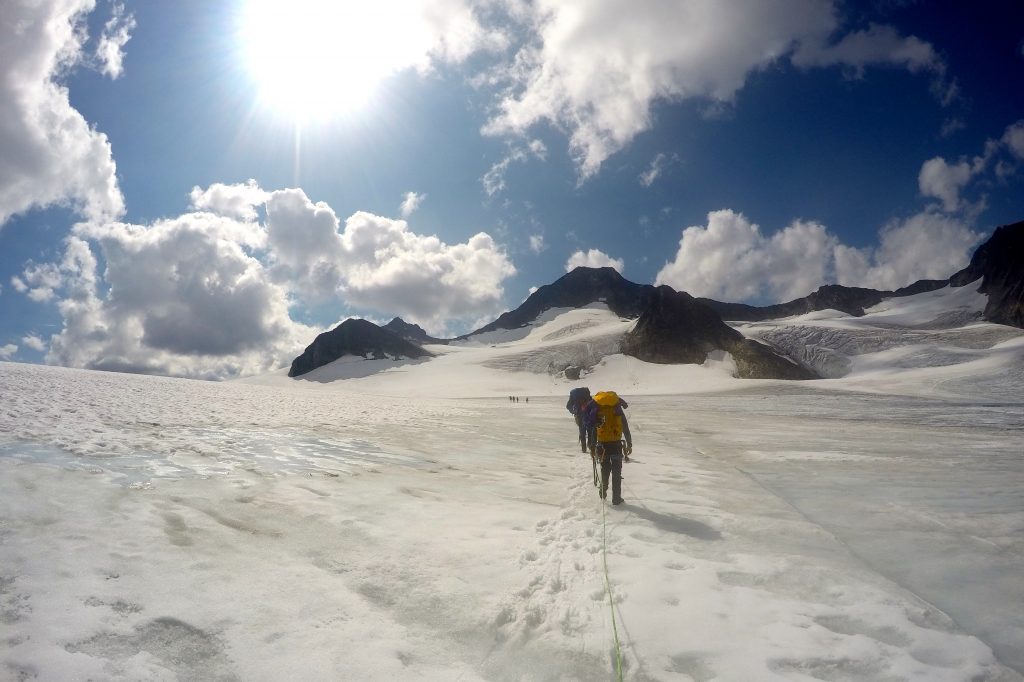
[865,527]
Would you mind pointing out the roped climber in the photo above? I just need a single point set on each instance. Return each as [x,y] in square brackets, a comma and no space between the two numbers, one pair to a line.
[607,425]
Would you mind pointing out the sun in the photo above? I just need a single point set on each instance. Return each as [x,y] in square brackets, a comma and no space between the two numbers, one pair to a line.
[316,59]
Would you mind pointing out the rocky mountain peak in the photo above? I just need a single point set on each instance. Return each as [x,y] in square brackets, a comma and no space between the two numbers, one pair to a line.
[676,328]
[999,263]
[575,289]
[354,337]
[411,332]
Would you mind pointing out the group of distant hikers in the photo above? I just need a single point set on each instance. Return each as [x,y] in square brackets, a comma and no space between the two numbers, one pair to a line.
[515,399]
[602,426]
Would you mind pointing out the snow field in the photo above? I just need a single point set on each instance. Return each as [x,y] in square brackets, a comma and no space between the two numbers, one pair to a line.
[404,520]
[314,533]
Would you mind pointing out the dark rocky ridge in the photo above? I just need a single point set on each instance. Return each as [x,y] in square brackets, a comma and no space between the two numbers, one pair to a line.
[411,332]
[999,263]
[353,337]
[850,300]
[673,327]
[676,328]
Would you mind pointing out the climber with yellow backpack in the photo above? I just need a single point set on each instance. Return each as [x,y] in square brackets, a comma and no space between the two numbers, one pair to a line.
[606,427]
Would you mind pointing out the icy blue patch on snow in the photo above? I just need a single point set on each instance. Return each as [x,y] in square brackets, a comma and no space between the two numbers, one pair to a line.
[203,452]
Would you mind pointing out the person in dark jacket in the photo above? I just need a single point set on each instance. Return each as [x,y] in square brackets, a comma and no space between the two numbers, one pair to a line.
[578,399]
[606,426]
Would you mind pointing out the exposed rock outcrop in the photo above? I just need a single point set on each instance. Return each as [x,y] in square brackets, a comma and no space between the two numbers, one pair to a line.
[411,332]
[999,263]
[354,337]
[675,328]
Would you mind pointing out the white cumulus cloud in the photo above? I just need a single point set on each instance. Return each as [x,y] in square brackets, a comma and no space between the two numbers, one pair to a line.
[116,34]
[410,203]
[1013,138]
[34,342]
[876,45]
[38,281]
[207,293]
[378,263]
[596,67]
[182,296]
[731,259]
[593,258]
[7,350]
[388,267]
[51,155]
[234,201]
[944,181]
[928,245]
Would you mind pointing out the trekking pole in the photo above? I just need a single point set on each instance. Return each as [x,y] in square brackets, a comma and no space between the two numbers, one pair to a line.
[593,460]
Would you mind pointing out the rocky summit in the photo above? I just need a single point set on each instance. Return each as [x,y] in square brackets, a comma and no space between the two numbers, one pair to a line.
[354,337]
[576,289]
[674,327]
[999,264]
[411,332]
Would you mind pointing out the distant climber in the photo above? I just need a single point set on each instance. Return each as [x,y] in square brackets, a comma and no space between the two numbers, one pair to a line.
[578,399]
[606,426]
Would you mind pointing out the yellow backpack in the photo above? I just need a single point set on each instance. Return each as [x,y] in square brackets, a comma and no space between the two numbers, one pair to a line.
[609,422]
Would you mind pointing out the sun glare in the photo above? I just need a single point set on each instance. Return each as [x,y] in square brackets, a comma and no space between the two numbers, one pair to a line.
[314,59]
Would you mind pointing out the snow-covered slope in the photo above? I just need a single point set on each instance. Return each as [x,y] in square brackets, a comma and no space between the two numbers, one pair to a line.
[526,361]
[410,522]
[922,344]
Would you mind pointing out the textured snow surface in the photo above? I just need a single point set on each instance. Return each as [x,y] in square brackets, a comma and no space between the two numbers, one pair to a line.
[412,523]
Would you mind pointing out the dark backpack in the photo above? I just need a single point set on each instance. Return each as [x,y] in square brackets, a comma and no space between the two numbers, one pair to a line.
[578,397]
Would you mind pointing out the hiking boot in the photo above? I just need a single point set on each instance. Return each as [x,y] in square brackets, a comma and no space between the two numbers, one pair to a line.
[618,501]
[583,448]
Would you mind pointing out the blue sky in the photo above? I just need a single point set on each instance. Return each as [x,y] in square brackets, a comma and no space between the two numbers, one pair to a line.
[199,192]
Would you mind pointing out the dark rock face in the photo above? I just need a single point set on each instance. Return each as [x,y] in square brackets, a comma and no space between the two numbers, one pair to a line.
[574,290]
[411,332]
[677,328]
[353,337]
[999,263]
[673,327]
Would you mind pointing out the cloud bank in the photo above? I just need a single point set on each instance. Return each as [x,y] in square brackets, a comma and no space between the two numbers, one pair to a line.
[379,263]
[730,258]
[595,67]
[208,293]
